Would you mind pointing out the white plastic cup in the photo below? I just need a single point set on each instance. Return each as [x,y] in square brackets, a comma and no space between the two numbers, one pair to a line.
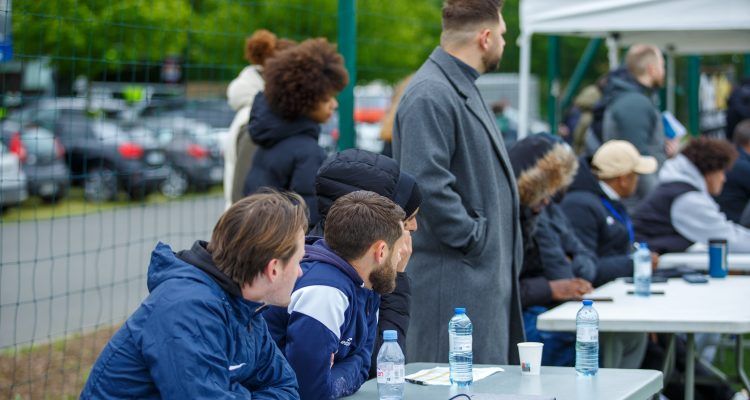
[530,354]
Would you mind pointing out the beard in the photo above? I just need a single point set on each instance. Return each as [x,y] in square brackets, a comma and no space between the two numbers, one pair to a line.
[491,61]
[383,278]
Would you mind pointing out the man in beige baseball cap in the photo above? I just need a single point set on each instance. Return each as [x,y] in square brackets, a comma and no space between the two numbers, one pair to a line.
[617,164]
[593,205]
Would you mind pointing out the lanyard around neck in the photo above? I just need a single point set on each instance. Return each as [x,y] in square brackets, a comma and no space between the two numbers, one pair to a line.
[622,218]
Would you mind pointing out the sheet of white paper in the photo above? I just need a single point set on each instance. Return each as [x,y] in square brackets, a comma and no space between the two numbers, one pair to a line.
[441,375]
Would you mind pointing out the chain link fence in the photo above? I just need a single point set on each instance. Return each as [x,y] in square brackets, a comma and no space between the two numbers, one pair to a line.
[85,82]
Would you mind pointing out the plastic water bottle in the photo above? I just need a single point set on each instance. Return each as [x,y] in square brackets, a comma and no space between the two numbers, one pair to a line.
[460,356]
[642,270]
[390,368]
[587,340]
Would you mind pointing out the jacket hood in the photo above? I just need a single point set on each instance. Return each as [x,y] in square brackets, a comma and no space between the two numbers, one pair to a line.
[550,170]
[267,129]
[166,265]
[319,251]
[242,90]
[354,169]
[199,256]
[620,81]
[585,180]
[680,169]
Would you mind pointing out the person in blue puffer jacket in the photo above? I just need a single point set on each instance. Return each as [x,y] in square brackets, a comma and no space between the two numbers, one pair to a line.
[199,334]
[328,331]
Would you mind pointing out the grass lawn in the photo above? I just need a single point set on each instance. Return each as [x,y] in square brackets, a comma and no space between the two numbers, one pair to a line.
[74,204]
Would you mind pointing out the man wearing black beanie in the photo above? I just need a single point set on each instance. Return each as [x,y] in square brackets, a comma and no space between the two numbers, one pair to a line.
[351,170]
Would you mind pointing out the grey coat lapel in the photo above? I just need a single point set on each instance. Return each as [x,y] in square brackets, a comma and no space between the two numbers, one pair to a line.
[476,105]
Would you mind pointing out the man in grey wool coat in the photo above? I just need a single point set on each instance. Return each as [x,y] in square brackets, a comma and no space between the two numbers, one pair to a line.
[468,250]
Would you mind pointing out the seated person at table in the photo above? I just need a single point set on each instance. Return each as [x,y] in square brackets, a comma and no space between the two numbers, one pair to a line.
[542,167]
[199,333]
[680,211]
[355,169]
[328,331]
[735,197]
[594,209]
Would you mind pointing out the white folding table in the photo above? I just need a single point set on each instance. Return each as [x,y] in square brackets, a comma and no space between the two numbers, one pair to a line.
[719,306]
[553,382]
[738,262]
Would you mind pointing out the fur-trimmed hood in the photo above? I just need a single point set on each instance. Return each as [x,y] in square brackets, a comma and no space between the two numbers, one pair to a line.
[542,169]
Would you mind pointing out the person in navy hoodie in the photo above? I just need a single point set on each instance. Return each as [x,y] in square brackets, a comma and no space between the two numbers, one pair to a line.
[300,94]
[199,334]
[328,331]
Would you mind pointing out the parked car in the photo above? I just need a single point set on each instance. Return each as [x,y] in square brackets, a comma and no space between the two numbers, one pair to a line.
[214,112]
[102,155]
[193,151]
[12,179]
[42,158]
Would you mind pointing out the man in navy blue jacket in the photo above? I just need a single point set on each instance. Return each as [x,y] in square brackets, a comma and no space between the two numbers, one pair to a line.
[199,334]
[328,331]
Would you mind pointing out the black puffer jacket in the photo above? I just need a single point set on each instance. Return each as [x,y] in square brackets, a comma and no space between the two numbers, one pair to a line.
[352,170]
[288,155]
[596,228]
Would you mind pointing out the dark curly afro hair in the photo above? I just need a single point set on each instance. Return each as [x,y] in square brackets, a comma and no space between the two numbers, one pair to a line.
[710,154]
[301,77]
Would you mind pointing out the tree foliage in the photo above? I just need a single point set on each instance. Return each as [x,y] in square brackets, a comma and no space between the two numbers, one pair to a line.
[100,37]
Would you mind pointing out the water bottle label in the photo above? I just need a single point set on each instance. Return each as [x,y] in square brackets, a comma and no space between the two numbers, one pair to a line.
[460,343]
[587,334]
[391,373]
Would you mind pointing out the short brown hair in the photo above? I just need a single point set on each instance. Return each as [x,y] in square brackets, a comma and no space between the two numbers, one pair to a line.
[256,230]
[710,154]
[458,15]
[359,219]
[639,57]
[301,77]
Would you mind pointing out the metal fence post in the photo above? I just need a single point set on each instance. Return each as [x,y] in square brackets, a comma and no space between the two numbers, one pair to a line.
[553,78]
[694,74]
[348,48]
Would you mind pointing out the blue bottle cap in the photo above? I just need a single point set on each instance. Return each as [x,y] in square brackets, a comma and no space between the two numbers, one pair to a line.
[643,245]
[588,302]
[460,310]
[390,335]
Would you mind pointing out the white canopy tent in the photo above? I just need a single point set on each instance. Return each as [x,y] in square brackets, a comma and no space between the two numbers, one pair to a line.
[678,27]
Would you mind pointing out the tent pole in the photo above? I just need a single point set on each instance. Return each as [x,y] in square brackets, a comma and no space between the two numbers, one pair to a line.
[670,81]
[524,41]
[583,65]
[613,49]
[553,81]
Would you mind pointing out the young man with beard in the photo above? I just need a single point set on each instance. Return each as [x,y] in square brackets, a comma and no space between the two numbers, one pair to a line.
[468,250]
[328,331]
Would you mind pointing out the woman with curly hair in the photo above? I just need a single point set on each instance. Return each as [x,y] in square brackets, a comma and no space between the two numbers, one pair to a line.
[301,87]
[239,149]
[681,211]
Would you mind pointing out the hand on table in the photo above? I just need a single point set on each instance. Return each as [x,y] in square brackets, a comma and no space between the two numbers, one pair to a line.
[569,289]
